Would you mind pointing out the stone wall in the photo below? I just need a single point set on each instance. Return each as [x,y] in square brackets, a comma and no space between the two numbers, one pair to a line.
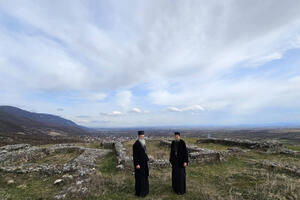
[266,146]
[197,154]
[165,143]
[159,163]
[205,157]
[17,159]
[124,161]
[272,165]
[107,143]
[14,147]
[21,154]
[242,143]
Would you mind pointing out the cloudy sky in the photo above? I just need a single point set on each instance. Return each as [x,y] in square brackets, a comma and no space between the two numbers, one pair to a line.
[147,63]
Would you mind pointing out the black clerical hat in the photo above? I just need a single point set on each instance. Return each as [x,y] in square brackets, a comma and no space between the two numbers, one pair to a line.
[176,133]
[141,133]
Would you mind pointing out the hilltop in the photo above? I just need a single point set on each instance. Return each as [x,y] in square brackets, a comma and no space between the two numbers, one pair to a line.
[19,126]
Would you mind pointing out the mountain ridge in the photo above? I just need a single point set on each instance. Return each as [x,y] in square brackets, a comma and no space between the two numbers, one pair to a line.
[13,119]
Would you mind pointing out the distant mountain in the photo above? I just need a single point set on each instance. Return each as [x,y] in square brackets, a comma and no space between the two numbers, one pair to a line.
[14,119]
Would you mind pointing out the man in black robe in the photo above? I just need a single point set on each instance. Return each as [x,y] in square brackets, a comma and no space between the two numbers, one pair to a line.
[140,161]
[179,160]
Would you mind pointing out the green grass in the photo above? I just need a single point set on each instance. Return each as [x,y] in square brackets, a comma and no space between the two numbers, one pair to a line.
[45,145]
[107,165]
[154,149]
[294,147]
[286,159]
[109,183]
[191,140]
[27,186]
[211,146]
[234,178]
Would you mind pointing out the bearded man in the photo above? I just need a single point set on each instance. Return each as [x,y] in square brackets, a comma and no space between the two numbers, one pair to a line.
[140,162]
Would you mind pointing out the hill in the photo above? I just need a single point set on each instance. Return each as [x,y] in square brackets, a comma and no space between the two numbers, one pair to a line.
[14,120]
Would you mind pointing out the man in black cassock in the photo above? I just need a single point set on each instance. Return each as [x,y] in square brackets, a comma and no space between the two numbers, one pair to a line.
[179,160]
[140,161]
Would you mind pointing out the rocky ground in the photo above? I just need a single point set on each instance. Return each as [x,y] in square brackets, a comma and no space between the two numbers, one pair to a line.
[101,168]
[26,159]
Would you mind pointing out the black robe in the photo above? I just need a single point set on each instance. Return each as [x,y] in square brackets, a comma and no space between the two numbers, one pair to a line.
[178,156]
[141,175]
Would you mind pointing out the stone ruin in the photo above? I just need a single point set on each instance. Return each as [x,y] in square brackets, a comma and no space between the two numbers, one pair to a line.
[124,161]
[196,154]
[20,158]
[271,147]
[285,168]
[264,146]
[17,158]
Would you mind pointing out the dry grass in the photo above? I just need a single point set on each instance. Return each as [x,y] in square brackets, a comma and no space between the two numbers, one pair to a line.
[233,179]
[285,159]
[58,158]
[211,146]
[93,145]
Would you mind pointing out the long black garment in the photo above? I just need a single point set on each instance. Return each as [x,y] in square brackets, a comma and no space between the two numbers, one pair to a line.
[141,175]
[178,156]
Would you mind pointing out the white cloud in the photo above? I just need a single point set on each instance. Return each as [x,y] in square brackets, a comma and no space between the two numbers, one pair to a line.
[174,109]
[95,96]
[192,108]
[135,110]
[113,113]
[123,98]
[116,113]
[184,55]
[178,39]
